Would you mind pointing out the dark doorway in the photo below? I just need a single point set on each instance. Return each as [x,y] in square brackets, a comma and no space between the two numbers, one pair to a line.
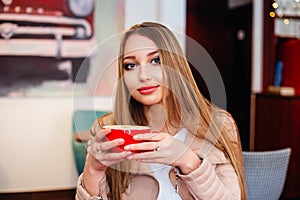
[225,33]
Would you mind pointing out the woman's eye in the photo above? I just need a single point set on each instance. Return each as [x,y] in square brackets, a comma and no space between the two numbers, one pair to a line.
[156,60]
[129,66]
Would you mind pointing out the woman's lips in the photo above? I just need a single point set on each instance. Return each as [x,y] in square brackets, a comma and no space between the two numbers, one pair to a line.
[147,89]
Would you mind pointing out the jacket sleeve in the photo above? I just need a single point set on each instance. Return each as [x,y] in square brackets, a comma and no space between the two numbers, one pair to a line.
[216,178]
[82,194]
[147,189]
[210,181]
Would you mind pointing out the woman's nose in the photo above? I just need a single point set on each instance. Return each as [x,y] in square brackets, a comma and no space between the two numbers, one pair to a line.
[144,74]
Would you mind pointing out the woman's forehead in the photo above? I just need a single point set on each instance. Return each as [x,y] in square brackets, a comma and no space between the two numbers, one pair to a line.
[137,42]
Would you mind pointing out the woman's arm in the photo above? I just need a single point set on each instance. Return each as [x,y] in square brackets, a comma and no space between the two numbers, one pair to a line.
[92,177]
[216,178]
[213,181]
[83,194]
[93,181]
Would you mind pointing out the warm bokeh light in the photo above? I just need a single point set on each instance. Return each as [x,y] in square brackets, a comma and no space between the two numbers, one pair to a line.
[275,5]
[286,21]
[280,15]
[272,14]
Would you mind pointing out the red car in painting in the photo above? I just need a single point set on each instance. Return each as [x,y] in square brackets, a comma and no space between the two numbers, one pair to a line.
[58,29]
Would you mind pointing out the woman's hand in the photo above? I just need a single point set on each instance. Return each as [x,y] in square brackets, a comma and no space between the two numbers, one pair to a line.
[100,151]
[100,157]
[165,149]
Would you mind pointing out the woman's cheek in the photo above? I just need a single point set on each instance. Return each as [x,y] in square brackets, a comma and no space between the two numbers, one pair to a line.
[157,74]
[130,82]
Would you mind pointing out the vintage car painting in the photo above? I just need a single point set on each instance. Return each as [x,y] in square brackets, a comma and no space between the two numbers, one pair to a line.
[47,32]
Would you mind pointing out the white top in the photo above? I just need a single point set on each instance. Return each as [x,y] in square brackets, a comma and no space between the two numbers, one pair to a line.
[161,173]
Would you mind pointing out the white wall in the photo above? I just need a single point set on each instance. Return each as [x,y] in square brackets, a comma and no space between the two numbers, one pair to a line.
[35,133]
[257,44]
[35,139]
[171,13]
[257,63]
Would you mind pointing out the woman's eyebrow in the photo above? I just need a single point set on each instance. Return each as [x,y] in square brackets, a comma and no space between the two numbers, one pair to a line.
[129,57]
[133,57]
[153,52]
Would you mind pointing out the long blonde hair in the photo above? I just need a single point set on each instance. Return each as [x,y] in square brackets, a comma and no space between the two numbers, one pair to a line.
[184,101]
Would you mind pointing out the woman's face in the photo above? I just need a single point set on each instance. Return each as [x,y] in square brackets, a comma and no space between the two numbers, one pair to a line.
[142,70]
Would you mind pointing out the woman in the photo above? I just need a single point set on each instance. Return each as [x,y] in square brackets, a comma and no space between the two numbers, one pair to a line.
[194,151]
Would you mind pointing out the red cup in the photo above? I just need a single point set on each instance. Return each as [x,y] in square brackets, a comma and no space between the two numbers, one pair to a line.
[126,132]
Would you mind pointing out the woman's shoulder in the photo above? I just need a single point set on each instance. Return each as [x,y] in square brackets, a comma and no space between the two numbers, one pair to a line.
[226,121]
[106,119]
[231,126]
[103,120]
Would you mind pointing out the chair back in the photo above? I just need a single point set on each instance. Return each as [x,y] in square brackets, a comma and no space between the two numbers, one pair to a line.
[265,173]
[82,121]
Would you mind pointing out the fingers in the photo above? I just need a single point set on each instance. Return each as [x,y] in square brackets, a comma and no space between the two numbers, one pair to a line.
[98,147]
[151,136]
[101,134]
[144,146]
[108,158]
[105,160]
[99,142]
[105,146]
[101,151]
[152,142]
[151,156]
[166,151]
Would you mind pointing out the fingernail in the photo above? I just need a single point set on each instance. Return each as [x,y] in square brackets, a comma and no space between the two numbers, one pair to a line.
[120,141]
[126,148]
[135,137]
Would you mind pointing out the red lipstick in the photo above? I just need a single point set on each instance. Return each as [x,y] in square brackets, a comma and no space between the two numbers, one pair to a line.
[148,89]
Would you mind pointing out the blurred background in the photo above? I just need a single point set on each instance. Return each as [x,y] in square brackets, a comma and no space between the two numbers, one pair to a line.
[60,56]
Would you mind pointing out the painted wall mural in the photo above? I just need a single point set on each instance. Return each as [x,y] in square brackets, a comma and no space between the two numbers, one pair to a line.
[44,44]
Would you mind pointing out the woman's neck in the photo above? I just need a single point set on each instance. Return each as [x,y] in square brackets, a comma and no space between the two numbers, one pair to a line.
[157,117]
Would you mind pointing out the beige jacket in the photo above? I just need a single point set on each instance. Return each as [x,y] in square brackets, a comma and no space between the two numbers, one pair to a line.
[215,178]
